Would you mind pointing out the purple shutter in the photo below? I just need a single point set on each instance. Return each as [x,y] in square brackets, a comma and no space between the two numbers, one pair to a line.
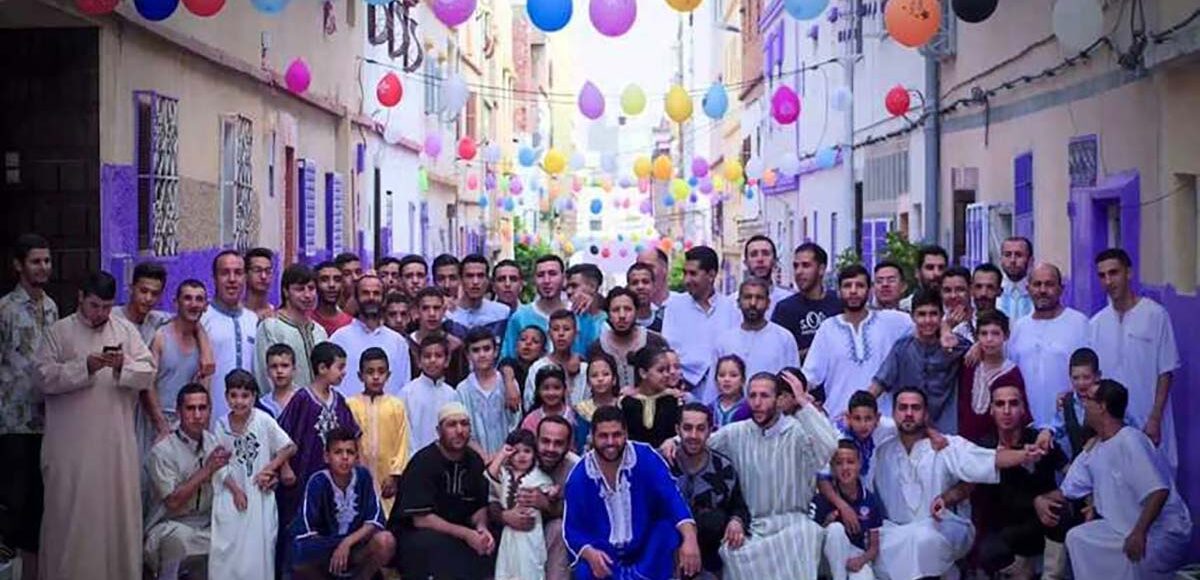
[334,213]
[1023,195]
[868,244]
[307,208]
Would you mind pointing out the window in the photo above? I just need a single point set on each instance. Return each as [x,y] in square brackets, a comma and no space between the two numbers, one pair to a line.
[433,87]
[237,199]
[1023,195]
[1185,222]
[156,161]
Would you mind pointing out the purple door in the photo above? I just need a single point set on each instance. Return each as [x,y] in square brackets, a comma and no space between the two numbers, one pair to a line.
[1102,217]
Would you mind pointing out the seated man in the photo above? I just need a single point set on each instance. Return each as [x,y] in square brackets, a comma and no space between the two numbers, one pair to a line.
[1143,526]
[441,514]
[340,527]
[623,516]
[181,467]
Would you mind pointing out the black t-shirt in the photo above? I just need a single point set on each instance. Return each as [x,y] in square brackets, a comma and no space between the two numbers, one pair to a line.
[452,490]
[1010,502]
[802,316]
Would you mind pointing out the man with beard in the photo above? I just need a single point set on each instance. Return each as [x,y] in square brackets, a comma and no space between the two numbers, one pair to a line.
[231,328]
[640,279]
[548,275]
[923,535]
[368,331]
[849,348]
[624,336]
[932,262]
[890,286]
[764,346]
[328,314]
[292,326]
[761,259]
[1015,300]
[149,281]
[176,347]
[1041,344]
[447,275]
[803,312]
[692,320]
[388,269]
[414,274]
[507,283]
[441,515]
[91,367]
[985,286]
[260,272]
[624,518]
[474,309]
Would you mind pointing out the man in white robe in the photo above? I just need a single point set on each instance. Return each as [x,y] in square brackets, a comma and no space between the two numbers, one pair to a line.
[761,258]
[1144,527]
[763,345]
[231,327]
[923,534]
[692,318]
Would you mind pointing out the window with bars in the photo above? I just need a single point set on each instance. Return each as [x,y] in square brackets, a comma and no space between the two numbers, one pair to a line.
[237,198]
[156,161]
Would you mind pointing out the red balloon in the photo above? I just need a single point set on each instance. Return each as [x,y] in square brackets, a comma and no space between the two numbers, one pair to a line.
[897,101]
[204,8]
[96,7]
[606,252]
[466,148]
[388,91]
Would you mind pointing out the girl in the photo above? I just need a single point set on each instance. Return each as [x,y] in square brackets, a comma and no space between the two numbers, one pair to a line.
[653,411]
[522,554]
[604,384]
[531,346]
[244,517]
[730,405]
[549,398]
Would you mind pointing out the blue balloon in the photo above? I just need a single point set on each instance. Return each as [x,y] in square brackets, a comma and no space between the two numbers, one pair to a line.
[668,201]
[826,157]
[379,2]
[805,9]
[716,101]
[549,15]
[483,201]
[597,206]
[508,204]
[156,10]
[270,6]
[527,156]
[692,181]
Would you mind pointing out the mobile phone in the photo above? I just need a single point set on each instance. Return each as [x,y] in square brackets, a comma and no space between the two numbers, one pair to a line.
[116,348]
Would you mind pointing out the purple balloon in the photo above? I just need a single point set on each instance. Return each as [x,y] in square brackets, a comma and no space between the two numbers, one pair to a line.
[591,102]
[699,166]
[612,17]
[514,185]
[706,185]
[433,145]
[646,207]
[489,182]
[625,181]
[452,12]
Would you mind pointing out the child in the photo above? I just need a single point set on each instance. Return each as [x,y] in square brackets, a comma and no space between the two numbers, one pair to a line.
[850,552]
[424,395]
[281,369]
[550,398]
[245,521]
[583,284]
[395,313]
[340,531]
[730,405]
[482,393]
[384,423]
[562,338]
[604,384]
[1070,430]
[531,346]
[522,554]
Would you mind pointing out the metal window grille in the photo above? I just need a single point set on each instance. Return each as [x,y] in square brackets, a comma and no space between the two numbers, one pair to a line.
[157,159]
[237,187]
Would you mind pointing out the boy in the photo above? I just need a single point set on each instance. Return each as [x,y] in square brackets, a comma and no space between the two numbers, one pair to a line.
[395,312]
[431,318]
[424,395]
[281,369]
[1070,430]
[291,325]
[563,335]
[583,286]
[345,539]
[482,393]
[850,553]
[384,423]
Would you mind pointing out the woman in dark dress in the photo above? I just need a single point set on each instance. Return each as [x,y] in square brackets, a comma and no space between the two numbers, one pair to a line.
[654,409]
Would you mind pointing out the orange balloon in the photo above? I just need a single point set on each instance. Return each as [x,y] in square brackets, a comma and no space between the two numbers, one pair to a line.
[913,23]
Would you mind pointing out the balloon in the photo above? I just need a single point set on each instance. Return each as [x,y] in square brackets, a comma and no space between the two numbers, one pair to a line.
[433,145]
[503,184]
[612,17]
[297,77]
[668,201]
[594,250]
[913,23]
[608,163]
[1077,23]
[568,248]
[662,168]
[733,170]
[897,102]
[455,94]
[466,148]
[509,204]
[577,161]
[204,8]
[754,168]
[679,189]
[646,207]
[715,102]
[706,186]
[489,181]
[156,10]
[718,182]
[514,185]
[699,166]
[842,99]
[684,5]
[388,91]
[805,9]
[96,7]
[270,6]
[769,177]
[974,11]
[472,182]
[527,156]
[606,253]
[679,104]
[785,105]
[596,206]
[789,165]
[491,153]
[642,167]
[483,201]
[633,100]
[422,179]
[554,162]
[591,102]
[826,157]
[452,12]
[624,182]
[549,15]
[576,184]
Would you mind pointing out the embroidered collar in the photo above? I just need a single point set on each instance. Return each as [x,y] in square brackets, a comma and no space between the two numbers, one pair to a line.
[628,461]
[345,502]
[234,312]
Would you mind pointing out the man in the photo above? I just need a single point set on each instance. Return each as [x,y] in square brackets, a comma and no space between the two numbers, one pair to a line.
[548,275]
[181,469]
[232,329]
[890,286]
[761,259]
[957,304]
[1136,345]
[441,516]
[932,262]
[764,346]
[849,348]
[709,485]
[923,535]
[396,311]
[351,267]
[1041,343]
[328,313]
[388,269]
[640,279]
[260,270]
[292,326]
[26,314]
[414,274]
[91,368]
[507,283]
[624,336]
[145,292]
[431,318]
[583,291]
[1015,254]
[176,349]
[803,312]
[623,517]
[657,259]
[474,309]
[985,286]
[691,320]
[1143,526]
[448,276]
[367,331]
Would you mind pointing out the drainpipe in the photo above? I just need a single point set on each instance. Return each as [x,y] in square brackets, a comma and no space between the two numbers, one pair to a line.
[933,144]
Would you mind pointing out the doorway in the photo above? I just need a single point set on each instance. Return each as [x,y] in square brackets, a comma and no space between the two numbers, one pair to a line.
[1102,217]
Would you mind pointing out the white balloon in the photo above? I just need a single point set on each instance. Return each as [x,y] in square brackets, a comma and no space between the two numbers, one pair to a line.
[491,153]
[577,161]
[755,168]
[789,165]
[1077,23]
[393,133]
[454,94]
[608,162]
[841,99]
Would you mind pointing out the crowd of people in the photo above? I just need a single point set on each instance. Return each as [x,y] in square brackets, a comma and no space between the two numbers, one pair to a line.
[417,419]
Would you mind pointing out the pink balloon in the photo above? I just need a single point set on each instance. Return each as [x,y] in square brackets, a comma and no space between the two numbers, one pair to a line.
[433,145]
[591,102]
[785,105]
[297,76]
[472,182]
[452,12]
[612,17]
[699,166]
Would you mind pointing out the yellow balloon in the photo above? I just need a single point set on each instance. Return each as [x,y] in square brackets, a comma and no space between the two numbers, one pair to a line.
[679,189]
[718,182]
[679,104]
[683,5]
[662,168]
[642,167]
[733,170]
[554,162]
[633,100]
[568,248]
